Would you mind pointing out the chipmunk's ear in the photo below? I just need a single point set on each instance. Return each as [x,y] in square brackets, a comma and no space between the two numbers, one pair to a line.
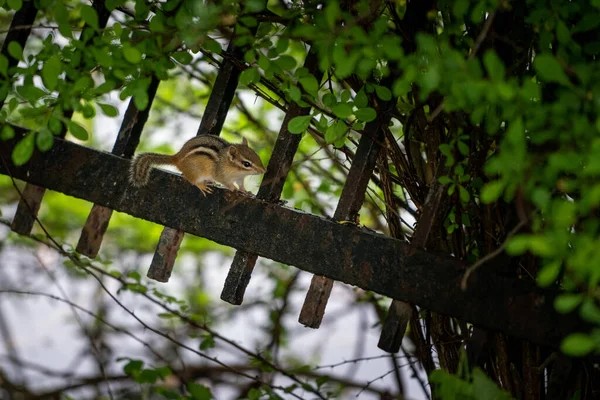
[232,151]
[244,142]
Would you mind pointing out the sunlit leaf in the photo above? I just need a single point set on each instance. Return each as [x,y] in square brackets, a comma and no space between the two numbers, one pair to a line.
[77,130]
[44,139]
[90,16]
[50,72]
[367,114]
[299,124]
[24,149]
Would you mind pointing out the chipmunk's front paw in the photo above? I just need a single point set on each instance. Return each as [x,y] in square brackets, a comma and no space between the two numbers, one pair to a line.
[204,188]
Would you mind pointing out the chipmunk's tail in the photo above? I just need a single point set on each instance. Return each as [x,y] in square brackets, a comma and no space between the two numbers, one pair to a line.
[139,173]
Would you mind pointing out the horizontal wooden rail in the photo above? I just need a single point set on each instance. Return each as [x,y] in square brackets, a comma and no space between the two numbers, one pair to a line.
[317,245]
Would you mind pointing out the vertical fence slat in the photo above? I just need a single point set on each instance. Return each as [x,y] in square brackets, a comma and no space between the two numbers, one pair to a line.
[353,195]
[25,17]
[212,122]
[31,200]
[165,254]
[399,313]
[284,150]
[127,140]
[222,93]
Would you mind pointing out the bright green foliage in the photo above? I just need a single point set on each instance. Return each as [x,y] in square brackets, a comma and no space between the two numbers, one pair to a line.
[466,385]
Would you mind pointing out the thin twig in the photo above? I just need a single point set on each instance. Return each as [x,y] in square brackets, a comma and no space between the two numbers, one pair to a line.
[488,257]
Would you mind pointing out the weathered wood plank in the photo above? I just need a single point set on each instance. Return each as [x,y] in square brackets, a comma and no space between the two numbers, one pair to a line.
[270,189]
[344,253]
[127,140]
[351,200]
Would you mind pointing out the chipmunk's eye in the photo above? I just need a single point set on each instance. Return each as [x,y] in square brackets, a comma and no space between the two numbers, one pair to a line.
[247,164]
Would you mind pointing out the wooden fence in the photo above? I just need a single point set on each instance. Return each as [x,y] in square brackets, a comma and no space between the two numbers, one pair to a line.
[262,227]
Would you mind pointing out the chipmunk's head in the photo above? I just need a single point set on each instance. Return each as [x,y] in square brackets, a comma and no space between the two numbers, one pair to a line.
[244,160]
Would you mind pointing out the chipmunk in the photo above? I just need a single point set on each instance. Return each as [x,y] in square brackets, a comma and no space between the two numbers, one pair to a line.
[203,159]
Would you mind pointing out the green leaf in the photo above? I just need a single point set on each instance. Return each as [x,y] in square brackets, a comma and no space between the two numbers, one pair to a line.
[90,16]
[249,76]
[83,84]
[493,65]
[451,189]
[147,376]
[132,54]
[287,63]
[24,149]
[207,343]
[87,110]
[44,139]
[310,84]
[263,62]
[361,100]
[486,389]
[322,380]
[548,274]
[3,65]
[565,303]
[133,366]
[282,45]
[164,372]
[254,6]
[444,180]
[55,125]
[329,99]
[464,194]
[50,72]
[7,132]
[108,110]
[15,50]
[77,130]
[577,345]
[62,18]
[342,110]
[182,57]
[199,392]
[295,93]
[588,22]
[15,4]
[460,8]
[562,32]
[383,93]
[254,394]
[491,191]
[463,148]
[299,124]
[366,114]
[549,69]
[156,24]
[345,96]
[336,131]
[140,98]
[590,311]
[518,245]
[212,45]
